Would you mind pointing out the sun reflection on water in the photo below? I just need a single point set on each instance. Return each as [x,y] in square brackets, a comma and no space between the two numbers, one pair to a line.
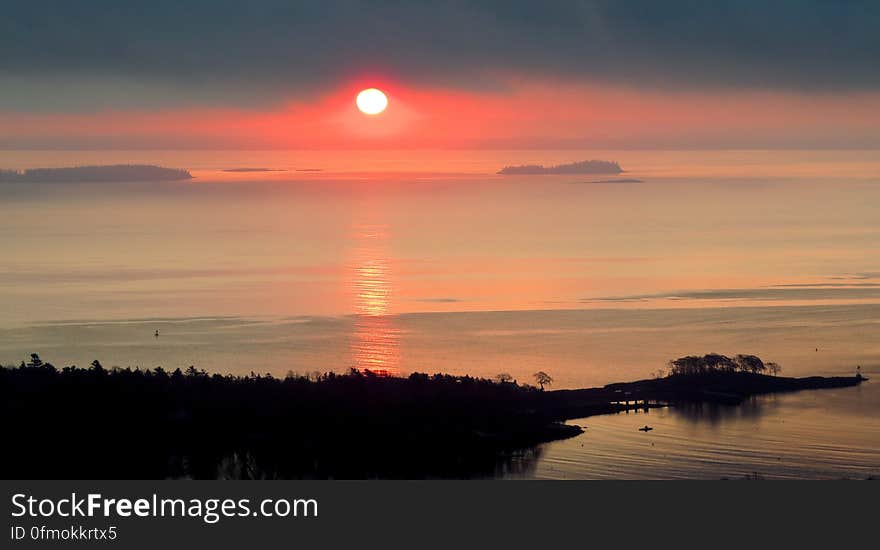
[376,343]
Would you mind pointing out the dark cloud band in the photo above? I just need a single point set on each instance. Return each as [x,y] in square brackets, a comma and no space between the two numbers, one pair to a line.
[230,51]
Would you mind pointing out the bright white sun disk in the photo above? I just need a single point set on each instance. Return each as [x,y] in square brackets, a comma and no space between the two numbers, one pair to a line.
[372,101]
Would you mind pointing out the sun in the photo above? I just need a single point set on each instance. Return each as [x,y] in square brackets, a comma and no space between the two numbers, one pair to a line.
[372,101]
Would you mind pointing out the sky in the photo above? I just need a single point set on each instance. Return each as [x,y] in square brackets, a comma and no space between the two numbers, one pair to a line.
[459,74]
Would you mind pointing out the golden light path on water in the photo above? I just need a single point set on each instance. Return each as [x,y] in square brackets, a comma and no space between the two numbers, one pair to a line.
[376,343]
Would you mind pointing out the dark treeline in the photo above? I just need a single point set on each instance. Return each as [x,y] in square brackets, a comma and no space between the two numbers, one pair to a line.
[719,379]
[130,423]
[694,365]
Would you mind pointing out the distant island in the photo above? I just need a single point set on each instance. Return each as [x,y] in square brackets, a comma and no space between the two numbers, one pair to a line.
[582,167]
[114,173]
[253,170]
[192,424]
[623,180]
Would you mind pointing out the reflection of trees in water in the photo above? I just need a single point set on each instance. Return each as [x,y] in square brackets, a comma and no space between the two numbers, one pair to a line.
[716,414]
[519,463]
[247,465]
[240,465]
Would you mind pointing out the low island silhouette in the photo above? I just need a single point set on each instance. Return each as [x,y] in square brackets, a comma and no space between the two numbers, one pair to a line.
[620,180]
[103,173]
[95,422]
[581,167]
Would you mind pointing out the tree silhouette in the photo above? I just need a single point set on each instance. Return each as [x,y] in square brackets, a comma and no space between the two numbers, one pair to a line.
[713,363]
[542,378]
[750,363]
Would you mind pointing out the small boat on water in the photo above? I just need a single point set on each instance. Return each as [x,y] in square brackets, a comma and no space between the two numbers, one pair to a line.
[645,428]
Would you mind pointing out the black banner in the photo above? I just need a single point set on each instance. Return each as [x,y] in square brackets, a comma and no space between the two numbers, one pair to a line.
[402,514]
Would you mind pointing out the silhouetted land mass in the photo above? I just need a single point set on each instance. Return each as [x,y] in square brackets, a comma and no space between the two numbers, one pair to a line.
[582,167]
[729,388]
[113,173]
[123,423]
[622,180]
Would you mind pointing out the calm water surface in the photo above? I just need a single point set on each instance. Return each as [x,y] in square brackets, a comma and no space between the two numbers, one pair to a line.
[829,434]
